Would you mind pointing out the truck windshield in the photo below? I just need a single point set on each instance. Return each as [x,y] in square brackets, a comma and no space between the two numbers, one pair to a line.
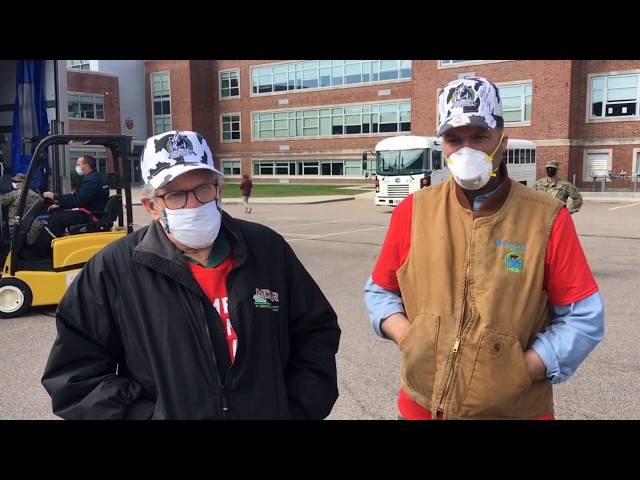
[402,162]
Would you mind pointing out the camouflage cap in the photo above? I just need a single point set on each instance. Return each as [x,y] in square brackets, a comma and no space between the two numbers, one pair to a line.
[19,177]
[553,164]
[469,101]
[170,154]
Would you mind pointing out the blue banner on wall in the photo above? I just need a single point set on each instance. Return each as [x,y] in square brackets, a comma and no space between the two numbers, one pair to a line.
[29,118]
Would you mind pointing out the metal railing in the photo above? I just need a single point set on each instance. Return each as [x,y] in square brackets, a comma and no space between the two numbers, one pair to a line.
[611,176]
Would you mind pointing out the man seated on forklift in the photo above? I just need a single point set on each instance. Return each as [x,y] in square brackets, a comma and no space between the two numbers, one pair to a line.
[91,194]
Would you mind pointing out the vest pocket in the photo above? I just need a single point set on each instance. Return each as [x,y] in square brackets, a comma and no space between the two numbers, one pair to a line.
[419,354]
[499,378]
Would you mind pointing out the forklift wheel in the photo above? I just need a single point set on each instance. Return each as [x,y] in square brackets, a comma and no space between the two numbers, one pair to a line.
[15,297]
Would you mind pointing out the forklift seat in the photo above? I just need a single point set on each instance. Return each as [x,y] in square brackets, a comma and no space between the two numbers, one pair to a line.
[101,220]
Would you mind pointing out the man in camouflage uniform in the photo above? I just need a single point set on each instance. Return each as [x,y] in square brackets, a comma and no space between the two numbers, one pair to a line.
[561,189]
[12,198]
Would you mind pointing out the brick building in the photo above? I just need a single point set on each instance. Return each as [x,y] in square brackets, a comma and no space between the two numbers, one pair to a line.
[310,121]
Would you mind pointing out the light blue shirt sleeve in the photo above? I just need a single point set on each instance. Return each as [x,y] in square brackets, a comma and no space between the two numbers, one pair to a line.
[381,304]
[574,332]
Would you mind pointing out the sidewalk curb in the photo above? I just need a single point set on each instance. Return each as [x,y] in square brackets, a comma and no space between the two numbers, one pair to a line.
[287,200]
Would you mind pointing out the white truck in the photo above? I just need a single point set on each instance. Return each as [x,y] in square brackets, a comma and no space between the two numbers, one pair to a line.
[404,164]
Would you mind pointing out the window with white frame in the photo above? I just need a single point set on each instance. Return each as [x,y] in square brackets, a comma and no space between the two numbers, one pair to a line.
[516,102]
[231,167]
[615,96]
[317,74]
[230,130]
[99,154]
[296,167]
[454,62]
[464,63]
[597,164]
[79,64]
[85,106]
[325,122]
[229,84]
[161,94]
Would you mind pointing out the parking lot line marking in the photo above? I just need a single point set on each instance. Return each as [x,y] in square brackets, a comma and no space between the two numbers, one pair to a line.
[625,206]
[313,237]
[316,223]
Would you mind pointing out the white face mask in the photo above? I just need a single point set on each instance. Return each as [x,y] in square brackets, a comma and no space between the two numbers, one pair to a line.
[79,171]
[193,227]
[14,185]
[472,169]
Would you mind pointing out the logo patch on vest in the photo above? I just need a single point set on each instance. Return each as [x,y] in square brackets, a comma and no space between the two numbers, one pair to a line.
[501,243]
[513,261]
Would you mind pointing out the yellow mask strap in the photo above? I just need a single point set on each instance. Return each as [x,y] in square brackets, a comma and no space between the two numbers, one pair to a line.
[492,173]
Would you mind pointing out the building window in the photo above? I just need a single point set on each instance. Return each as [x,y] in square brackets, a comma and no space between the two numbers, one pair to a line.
[230,127]
[85,106]
[325,167]
[318,74]
[99,154]
[597,164]
[231,167]
[161,93]
[615,96]
[230,84]
[330,121]
[454,62]
[465,64]
[79,64]
[516,102]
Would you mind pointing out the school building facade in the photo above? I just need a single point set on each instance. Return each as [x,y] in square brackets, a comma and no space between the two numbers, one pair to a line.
[309,121]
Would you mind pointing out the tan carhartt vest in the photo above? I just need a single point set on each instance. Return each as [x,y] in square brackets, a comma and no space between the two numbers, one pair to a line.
[472,288]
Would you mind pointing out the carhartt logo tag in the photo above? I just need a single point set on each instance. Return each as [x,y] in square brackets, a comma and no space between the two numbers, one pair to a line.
[496,347]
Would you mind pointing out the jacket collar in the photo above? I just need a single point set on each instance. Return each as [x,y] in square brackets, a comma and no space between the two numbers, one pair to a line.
[492,204]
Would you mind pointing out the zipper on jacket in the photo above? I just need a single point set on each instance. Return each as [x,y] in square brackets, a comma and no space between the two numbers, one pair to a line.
[225,406]
[223,397]
[455,347]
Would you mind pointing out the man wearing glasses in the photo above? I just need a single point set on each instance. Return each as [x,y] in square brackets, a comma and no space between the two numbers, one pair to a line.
[196,316]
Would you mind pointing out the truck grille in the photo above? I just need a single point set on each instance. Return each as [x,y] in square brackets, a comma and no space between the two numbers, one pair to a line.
[398,190]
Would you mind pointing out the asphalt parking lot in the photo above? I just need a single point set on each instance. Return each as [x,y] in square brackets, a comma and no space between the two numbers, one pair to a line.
[338,242]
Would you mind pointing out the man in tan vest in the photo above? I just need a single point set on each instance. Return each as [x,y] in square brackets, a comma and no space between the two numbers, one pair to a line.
[482,281]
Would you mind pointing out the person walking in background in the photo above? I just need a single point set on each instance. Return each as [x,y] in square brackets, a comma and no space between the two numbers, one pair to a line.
[195,316]
[245,188]
[481,281]
[560,189]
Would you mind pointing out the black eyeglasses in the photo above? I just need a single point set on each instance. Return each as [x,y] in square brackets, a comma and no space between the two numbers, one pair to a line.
[178,198]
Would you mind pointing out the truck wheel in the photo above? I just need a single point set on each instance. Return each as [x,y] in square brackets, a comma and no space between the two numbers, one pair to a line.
[15,297]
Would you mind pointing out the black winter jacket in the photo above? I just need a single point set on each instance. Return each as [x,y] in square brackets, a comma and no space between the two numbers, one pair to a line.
[138,339]
[91,193]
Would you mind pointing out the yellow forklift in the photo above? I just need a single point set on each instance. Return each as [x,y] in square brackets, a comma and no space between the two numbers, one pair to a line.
[29,281]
